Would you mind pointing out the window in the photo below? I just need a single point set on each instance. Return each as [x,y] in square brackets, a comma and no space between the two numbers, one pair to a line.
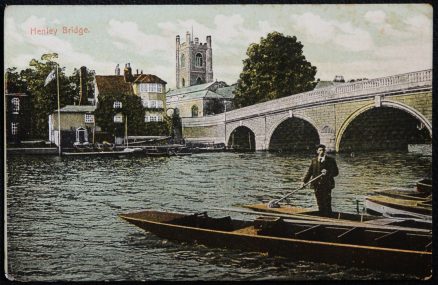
[152,104]
[117,105]
[151,87]
[118,118]
[14,128]
[183,60]
[15,105]
[183,83]
[89,118]
[198,61]
[153,118]
[194,111]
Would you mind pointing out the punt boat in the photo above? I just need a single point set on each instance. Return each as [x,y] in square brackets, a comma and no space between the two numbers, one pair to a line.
[399,208]
[403,194]
[341,217]
[402,251]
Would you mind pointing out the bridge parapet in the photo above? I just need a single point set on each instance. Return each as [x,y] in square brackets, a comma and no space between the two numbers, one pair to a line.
[346,91]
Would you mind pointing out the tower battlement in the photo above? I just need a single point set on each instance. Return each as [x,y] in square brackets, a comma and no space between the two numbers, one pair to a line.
[194,61]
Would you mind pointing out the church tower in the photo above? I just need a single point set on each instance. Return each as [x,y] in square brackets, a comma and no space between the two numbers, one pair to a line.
[194,62]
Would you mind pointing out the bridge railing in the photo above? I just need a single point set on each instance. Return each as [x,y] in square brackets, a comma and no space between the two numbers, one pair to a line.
[343,91]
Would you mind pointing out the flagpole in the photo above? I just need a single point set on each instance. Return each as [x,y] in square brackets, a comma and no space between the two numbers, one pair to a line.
[59,112]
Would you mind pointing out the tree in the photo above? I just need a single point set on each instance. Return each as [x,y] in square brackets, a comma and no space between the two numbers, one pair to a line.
[75,81]
[275,68]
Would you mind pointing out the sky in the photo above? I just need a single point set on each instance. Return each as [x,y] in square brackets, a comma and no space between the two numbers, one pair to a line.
[352,40]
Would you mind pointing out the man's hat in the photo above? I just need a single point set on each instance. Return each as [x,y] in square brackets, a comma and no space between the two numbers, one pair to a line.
[320,146]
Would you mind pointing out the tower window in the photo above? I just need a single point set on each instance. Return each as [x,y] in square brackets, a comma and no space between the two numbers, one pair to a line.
[183,83]
[199,81]
[117,105]
[198,60]
[183,60]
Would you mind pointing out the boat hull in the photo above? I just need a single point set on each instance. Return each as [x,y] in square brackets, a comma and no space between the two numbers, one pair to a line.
[384,206]
[385,259]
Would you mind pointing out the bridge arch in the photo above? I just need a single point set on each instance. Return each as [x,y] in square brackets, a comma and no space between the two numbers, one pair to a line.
[242,137]
[305,128]
[389,104]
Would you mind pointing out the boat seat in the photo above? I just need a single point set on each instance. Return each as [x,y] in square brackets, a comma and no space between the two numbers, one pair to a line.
[202,220]
[271,226]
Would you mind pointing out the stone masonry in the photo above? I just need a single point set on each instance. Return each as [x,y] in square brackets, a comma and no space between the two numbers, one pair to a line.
[329,110]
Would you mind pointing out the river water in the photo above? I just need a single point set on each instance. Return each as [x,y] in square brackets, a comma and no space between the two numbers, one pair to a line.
[62,222]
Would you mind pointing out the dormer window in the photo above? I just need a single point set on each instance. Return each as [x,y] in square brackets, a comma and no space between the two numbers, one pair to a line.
[117,105]
[198,61]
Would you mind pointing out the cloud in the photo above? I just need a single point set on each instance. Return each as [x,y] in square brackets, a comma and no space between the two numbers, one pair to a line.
[68,55]
[343,34]
[375,17]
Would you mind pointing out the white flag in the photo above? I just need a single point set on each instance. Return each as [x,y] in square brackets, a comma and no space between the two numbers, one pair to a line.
[50,77]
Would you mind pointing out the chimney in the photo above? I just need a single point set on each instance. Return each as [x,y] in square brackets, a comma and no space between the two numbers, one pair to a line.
[127,73]
[137,72]
[83,85]
[197,41]
[209,41]
[142,71]
[188,37]
[117,70]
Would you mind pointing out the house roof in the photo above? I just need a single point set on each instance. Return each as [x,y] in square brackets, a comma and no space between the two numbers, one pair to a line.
[226,92]
[77,109]
[148,78]
[190,89]
[113,84]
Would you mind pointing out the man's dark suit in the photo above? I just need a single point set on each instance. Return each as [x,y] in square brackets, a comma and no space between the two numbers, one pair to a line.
[324,185]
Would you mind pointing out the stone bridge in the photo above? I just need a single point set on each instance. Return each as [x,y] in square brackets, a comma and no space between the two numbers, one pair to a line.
[383,113]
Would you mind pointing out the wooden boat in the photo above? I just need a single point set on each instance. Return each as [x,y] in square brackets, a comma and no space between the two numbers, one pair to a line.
[340,217]
[402,208]
[124,152]
[404,194]
[425,186]
[387,250]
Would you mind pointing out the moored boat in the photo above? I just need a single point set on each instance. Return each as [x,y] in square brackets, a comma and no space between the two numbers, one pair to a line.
[400,208]
[387,250]
[340,217]
[404,194]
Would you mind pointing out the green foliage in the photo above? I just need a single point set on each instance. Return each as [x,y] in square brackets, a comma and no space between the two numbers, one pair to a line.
[133,110]
[44,98]
[75,81]
[275,68]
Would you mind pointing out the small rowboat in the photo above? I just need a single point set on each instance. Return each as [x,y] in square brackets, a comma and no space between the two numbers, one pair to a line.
[401,208]
[386,250]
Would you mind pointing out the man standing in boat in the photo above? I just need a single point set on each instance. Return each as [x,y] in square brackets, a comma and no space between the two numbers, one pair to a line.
[326,165]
